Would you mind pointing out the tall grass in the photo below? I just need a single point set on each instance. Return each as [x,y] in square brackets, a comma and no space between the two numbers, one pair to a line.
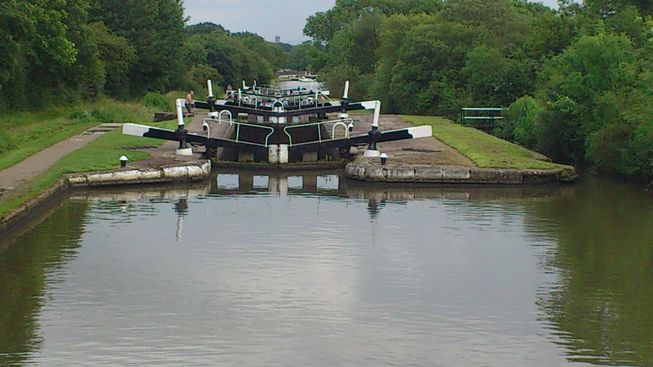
[23,134]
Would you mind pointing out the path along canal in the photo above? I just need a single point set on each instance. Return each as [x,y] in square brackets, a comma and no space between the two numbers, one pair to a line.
[316,271]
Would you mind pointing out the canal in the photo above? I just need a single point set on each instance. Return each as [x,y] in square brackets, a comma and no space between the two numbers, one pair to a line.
[309,270]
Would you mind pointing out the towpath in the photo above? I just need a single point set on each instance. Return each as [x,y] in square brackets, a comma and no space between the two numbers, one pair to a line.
[26,170]
[38,163]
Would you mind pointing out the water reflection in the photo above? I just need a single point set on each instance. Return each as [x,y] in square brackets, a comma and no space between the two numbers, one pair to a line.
[600,307]
[27,269]
[312,269]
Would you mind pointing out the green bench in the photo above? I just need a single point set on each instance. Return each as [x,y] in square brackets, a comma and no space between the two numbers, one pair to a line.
[481,117]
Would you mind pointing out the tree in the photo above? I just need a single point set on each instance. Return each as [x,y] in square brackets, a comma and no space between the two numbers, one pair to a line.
[118,57]
[588,87]
[155,28]
[307,56]
[199,74]
[271,52]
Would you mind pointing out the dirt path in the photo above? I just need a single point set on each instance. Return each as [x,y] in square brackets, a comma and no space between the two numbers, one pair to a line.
[429,151]
[38,163]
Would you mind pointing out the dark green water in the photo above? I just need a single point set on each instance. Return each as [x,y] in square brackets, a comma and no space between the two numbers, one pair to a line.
[316,271]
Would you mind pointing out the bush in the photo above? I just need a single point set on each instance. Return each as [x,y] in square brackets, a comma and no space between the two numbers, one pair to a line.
[637,157]
[606,146]
[520,121]
[6,144]
[80,115]
[559,135]
[199,74]
[112,112]
[156,101]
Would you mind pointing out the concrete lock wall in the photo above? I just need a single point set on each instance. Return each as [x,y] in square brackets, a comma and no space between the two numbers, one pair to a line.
[364,171]
[185,172]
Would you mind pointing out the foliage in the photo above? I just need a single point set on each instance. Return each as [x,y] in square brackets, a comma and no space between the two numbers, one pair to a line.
[46,41]
[31,132]
[235,57]
[307,56]
[156,102]
[80,50]
[155,29]
[520,121]
[577,79]
[118,57]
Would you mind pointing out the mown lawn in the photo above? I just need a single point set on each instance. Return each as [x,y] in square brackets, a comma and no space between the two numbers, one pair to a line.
[486,151]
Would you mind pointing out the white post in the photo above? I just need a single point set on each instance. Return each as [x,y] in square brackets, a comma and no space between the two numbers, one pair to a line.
[180,125]
[372,151]
[210,85]
[273,154]
[345,95]
[180,112]
[377,113]
[283,153]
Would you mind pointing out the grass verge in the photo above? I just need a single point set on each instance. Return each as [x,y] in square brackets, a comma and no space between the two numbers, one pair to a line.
[486,151]
[99,155]
[24,133]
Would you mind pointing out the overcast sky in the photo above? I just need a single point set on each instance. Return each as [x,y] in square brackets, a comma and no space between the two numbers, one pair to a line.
[268,18]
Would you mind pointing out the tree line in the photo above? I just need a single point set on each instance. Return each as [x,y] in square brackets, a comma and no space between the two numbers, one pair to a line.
[578,80]
[58,52]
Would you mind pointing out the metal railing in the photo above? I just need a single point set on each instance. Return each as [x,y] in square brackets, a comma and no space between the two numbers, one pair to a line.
[287,102]
[344,123]
[238,126]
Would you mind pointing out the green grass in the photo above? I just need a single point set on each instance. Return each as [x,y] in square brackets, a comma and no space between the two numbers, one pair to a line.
[99,155]
[486,151]
[24,133]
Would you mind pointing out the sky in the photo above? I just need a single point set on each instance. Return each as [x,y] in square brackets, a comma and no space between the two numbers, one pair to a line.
[268,18]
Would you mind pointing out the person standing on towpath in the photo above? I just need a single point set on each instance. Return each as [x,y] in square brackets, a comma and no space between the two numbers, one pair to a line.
[189,101]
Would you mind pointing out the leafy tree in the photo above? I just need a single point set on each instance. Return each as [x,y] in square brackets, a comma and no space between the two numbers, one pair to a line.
[607,8]
[118,57]
[155,28]
[199,74]
[521,120]
[307,56]
[594,78]
[492,79]
[271,52]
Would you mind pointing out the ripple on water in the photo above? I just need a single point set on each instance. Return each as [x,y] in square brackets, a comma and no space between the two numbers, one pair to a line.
[317,280]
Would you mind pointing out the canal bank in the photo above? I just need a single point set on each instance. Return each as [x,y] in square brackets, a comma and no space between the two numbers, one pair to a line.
[191,171]
[418,161]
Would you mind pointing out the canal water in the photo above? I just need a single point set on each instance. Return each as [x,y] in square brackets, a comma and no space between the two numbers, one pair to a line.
[260,270]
